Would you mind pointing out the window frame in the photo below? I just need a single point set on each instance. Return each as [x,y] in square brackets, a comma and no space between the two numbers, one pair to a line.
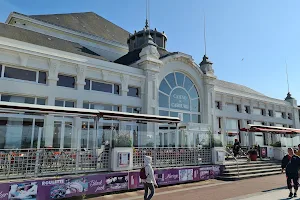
[36,71]
[138,91]
[113,88]
[17,95]
[66,75]
[64,102]
[182,85]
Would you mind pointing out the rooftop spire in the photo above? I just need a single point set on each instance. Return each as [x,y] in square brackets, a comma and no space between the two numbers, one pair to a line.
[287,76]
[147,23]
[204,36]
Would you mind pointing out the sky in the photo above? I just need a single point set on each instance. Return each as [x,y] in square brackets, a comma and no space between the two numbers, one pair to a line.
[249,42]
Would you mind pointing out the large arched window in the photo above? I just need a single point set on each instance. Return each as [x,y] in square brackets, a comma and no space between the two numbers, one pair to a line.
[178,94]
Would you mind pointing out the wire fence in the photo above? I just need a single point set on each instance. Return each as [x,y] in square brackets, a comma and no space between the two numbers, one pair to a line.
[26,163]
[172,157]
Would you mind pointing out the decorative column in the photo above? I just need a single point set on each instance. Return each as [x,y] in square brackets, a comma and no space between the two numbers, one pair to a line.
[209,95]
[150,63]
[54,66]
[81,74]
[124,85]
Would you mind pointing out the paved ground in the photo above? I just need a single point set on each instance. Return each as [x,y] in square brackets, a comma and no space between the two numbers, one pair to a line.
[270,187]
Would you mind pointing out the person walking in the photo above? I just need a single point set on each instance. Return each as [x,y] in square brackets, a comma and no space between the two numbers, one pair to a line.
[236,147]
[147,177]
[291,164]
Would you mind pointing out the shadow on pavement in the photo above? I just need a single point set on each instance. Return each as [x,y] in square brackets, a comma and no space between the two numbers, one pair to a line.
[275,189]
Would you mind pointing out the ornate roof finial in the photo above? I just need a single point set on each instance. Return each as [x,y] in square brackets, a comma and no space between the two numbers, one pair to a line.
[146,24]
[288,96]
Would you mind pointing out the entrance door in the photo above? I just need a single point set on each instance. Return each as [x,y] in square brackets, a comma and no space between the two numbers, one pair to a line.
[64,135]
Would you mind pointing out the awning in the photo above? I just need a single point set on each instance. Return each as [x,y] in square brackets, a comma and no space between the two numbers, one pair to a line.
[267,130]
[264,130]
[8,107]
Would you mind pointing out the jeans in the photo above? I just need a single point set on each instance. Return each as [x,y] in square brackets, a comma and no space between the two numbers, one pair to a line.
[147,187]
[293,177]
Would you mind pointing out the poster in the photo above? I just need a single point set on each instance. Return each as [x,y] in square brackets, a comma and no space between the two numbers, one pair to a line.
[24,191]
[124,159]
[185,175]
[205,172]
[115,182]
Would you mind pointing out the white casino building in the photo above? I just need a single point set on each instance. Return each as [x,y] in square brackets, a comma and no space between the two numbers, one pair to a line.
[82,60]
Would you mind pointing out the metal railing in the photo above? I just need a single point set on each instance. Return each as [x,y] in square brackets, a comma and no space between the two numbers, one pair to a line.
[235,159]
[43,162]
[172,157]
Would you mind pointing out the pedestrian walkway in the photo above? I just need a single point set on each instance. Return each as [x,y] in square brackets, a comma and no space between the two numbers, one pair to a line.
[279,194]
[271,187]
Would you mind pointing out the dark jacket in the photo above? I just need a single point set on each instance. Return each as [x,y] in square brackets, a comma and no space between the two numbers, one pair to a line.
[236,146]
[291,166]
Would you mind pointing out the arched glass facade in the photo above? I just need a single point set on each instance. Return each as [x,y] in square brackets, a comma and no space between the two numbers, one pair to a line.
[178,94]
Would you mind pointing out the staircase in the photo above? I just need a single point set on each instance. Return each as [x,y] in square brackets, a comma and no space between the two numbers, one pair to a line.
[252,169]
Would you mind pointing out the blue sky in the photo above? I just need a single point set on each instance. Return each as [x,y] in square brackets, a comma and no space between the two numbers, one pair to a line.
[248,41]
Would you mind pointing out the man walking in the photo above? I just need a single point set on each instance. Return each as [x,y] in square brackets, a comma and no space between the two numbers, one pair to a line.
[291,164]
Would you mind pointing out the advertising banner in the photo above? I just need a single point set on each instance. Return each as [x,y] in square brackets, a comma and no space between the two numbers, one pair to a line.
[101,183]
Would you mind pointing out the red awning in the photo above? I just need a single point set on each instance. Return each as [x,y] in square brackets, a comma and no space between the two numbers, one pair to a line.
[232,134]
[271,130]
[244,129]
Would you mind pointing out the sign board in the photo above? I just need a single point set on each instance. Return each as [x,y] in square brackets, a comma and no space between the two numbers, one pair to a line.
[263,152]
[123,159]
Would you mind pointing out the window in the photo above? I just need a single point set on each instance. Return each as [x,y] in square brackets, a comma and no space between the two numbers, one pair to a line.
[133,92]
[178,95]
[271,113]
[21,99]
[290,126]
[263,112]
[65,103]
[290,116]
[247,109]
[283,115]
[220,122]
[42,78]
[87,84]
[101,106]
[133,110]
[23,74]
[218,105]
[102,87]
[248,121]
[238,108]
[66,81]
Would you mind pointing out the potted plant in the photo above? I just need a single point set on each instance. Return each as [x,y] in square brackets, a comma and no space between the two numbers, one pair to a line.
[122,140]
[252,154]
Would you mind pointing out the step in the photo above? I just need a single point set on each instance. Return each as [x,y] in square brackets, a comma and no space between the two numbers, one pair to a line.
[247,176]
[248,165]
[254,171]
[249,168]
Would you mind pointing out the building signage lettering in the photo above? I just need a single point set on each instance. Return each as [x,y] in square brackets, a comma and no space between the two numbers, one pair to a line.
[179,99]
